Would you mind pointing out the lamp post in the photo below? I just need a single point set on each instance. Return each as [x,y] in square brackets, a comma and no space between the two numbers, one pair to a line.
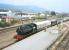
[21,18]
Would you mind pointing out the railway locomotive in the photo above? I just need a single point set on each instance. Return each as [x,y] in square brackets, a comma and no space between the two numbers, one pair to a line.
[24,31]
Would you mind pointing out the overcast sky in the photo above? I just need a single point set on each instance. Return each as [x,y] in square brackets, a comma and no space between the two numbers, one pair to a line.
[56,5]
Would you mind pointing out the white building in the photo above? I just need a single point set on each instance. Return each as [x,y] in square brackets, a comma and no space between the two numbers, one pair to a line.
[6,15]
[25,15]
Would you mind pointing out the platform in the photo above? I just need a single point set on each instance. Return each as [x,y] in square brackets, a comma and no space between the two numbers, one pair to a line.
[38,41]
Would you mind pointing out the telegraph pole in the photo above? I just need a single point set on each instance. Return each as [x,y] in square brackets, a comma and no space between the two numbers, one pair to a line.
[21,18]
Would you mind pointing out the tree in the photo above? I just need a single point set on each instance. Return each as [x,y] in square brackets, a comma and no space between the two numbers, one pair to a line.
[39,14]
[53,13]
[64,15]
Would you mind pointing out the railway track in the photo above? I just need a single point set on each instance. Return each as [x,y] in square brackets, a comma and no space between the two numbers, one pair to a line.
[7,43]
[6,32]
[8,28]
[63,42]
[6,36]
[64,45]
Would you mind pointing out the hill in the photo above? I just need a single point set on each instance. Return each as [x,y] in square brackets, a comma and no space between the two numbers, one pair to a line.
[24,8]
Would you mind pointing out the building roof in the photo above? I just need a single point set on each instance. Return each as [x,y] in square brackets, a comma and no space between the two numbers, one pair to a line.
[2,10]
[9,17]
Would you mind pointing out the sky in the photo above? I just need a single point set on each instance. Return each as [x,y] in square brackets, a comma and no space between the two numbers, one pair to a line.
[50,5]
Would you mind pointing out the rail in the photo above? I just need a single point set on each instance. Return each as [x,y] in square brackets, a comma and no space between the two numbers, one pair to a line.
[9,28]
[55,44]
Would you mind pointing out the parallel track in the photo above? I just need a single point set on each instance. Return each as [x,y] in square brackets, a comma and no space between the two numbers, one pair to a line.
[9,29]
[64,45]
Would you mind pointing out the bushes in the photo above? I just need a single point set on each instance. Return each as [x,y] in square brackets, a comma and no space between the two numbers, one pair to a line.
[39,17]
[4,24]
[13,22]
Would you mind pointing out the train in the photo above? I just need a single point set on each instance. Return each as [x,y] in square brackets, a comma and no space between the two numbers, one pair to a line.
[26,30]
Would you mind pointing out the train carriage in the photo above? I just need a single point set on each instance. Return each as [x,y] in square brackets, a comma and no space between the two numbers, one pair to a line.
[28,29]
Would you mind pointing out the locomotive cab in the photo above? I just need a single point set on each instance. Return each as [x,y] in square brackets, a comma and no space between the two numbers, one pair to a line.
[25,30]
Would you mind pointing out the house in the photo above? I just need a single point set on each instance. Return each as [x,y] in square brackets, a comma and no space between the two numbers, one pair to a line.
[25,15]
[6,15]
